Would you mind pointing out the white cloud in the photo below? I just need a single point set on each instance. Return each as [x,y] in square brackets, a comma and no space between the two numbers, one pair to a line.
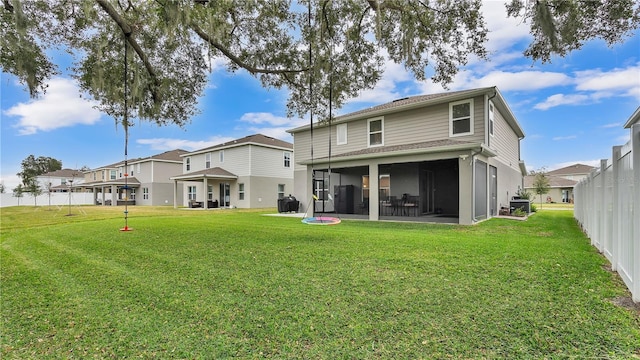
[504,32]
[269,119]
[612,125]
[387,88]
[505,81]
[61,106]
[616,82]
[561,99]
[10,181]
[561,138]
[164,144]
[270,125]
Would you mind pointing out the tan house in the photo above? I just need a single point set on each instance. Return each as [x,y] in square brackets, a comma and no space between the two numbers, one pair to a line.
[252,172]
[145,181]
[561,183]
[451,157]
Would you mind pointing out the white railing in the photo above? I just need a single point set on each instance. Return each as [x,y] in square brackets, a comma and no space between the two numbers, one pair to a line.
[56,199]
[607,206]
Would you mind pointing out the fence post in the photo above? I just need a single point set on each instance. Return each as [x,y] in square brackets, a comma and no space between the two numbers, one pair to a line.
[615,219]
[635,245]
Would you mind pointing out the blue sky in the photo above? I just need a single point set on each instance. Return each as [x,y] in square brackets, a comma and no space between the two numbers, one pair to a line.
[571,110]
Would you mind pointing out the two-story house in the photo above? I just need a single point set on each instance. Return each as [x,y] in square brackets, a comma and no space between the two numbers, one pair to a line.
[60,180]
[144,181]
[252,172]
[452,156]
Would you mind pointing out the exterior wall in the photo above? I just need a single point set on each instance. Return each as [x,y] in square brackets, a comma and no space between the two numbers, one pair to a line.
[269,162]
[407,127]
[260,192]
[509,182]
[505,142]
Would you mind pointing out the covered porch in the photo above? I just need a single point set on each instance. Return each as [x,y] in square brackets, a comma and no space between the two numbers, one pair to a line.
[208,188]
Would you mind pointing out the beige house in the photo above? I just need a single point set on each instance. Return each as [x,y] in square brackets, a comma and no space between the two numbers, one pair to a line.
[144,181]
[252,172]
[561,183]
[451,157]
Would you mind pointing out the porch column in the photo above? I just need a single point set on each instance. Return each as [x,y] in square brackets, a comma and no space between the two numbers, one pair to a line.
[175,194]
[205,202]
[374,192]
[114,195]
[102,195]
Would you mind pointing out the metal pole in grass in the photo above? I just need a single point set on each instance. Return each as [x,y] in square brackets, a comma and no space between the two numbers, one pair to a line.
[125,124]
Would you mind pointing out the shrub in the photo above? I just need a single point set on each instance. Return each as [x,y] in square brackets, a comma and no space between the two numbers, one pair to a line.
[519,212]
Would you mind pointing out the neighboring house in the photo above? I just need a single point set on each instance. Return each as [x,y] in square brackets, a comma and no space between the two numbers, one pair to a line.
[450,156]
[634,119]
[561,183]
[60,180]
[252,172]
[145,181]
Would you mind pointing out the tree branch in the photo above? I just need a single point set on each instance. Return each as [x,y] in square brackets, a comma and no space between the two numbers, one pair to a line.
[252,69]
[128,31]
[8,6]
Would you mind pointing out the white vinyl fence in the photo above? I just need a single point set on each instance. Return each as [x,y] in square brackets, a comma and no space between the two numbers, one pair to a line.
[607,206]
[56,199]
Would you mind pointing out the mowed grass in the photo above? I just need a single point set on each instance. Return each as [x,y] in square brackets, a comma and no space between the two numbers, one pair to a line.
[237,284]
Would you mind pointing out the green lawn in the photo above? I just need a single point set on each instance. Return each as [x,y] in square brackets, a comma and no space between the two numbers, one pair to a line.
[237,284]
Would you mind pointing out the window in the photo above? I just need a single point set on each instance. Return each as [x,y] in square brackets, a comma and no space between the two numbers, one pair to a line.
[138,168]
[131,167]
[133,194]
[120,172]
[221,156]
[94,176]
[341,134]
[385,187]
[112,175]
[191,192]
[287,159]
[375,128]
[188,164]
[210,192]
[241,192]
[461,118]
[280,191]
[145,193]
[491,118]
[365,187]
[207,160]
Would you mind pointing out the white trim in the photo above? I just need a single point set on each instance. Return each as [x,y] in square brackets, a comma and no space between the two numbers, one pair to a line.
[369,121]
[451,119]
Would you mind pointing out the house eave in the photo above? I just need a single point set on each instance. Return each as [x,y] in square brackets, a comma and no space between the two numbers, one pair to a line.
[478,148]
[382,112]
[635,118]
[194,177]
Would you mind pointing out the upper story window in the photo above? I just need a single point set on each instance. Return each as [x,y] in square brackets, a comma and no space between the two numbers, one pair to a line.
[341,134]
[138,168]
[120,172]
[461,118]
[112,175]
[221,156]
[491,117]
[287,159]
[375,129]
[207,160]
[131,167]
[188,164]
